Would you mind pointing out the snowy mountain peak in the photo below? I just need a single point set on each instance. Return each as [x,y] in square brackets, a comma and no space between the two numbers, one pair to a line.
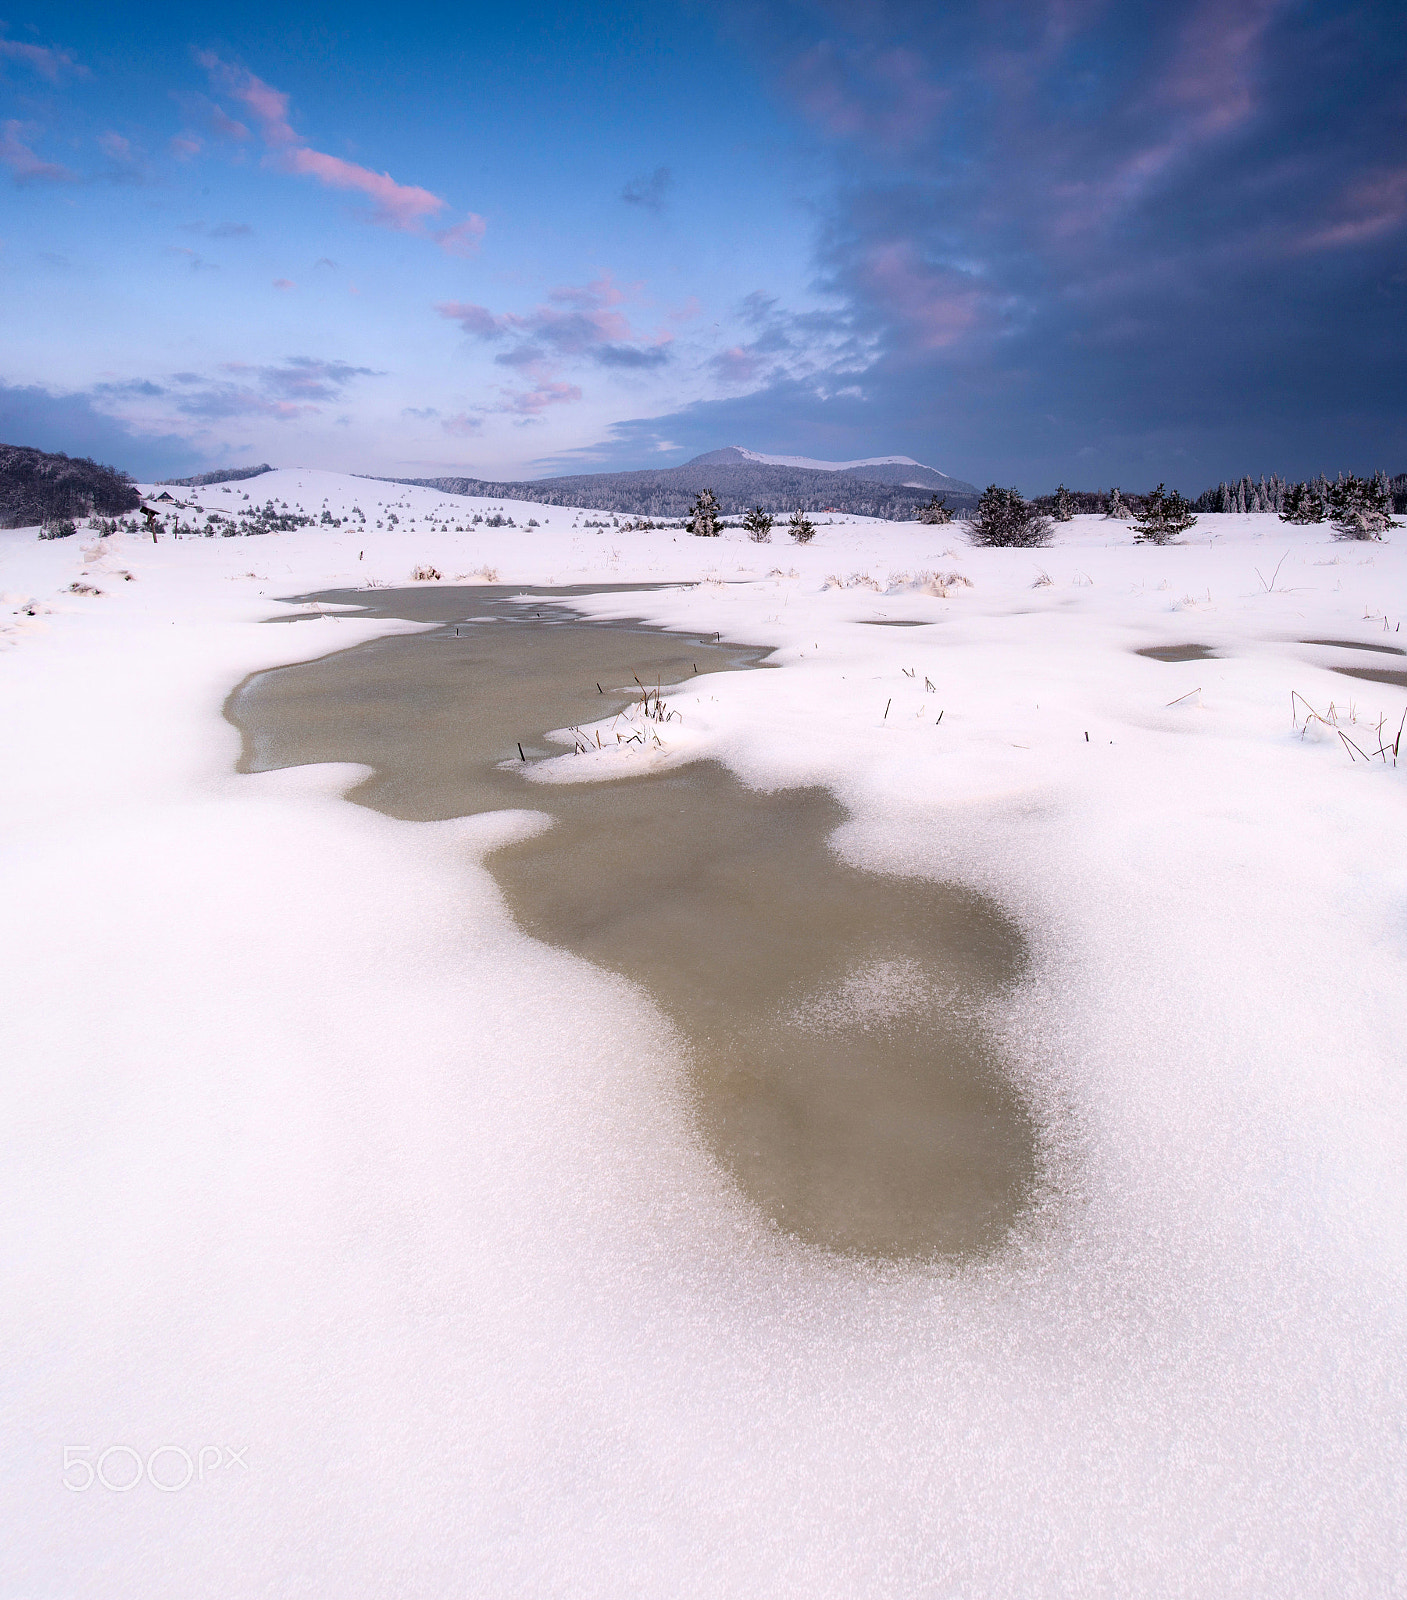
[894,470]
[825,466]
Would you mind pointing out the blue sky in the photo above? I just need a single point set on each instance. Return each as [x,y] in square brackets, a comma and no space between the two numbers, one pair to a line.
[1074,241]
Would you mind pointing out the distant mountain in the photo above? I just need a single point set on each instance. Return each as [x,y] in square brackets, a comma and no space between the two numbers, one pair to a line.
[36,486]
[885,486]
[874,469]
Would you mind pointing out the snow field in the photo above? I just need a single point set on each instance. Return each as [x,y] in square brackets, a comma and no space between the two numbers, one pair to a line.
[310,1151]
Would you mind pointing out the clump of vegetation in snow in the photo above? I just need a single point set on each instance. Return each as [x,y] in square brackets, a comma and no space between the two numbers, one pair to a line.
[58,528]
[801,529]
[1163,517]
[936,512]
[1004,517]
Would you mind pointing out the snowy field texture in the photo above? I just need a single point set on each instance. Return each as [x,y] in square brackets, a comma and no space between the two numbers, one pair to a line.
[321,1176]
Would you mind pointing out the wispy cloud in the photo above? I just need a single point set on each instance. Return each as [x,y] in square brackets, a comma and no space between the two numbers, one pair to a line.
[48,61]
[1372,207]
[650,192]
[195,262]
[281,391]
[22,161]
[402,206]
[583,321]
[883,93]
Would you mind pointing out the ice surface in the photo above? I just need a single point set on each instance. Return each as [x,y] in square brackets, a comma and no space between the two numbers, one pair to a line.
[308,1152]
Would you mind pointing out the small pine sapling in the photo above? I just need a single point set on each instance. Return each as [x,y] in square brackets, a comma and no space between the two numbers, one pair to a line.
[1064,509]
[1117,509]
[704,519]
[1163,517]
[801,528]
[1003,517]
[758,524]
[936,512]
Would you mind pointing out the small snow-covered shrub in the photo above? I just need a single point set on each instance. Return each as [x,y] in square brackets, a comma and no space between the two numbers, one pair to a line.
[1004,518]
[58,528]
[801,529]
[936,512]
[757,524]
[424,575]
[1360,524]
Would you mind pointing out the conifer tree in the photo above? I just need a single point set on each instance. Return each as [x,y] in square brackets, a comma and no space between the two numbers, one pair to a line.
[1003,517]
[1163,517]
[936,511]
[1302,503]
[1361,508]
[801,528]
[703,520]
[758,524]
[1064,511]
[1117,508]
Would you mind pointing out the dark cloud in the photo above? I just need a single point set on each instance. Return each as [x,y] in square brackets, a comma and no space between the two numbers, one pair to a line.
[630,355]
[1168,238]
[651,192]
[30,415]
[281,391]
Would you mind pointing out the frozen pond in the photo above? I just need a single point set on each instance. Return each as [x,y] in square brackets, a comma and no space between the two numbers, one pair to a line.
[833,1018]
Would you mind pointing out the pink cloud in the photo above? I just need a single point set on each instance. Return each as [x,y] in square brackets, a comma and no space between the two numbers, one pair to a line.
[688,311]
[462,425]
[1210,89]
[114,145]
[939,305]
[48,63]
[397,205]
[185,146]
[463,238]
[1370,208]
[405,207]
[22,161]
[881,95]
[602,291]
[531,402]
[284,283]
[476,320]
[736,365]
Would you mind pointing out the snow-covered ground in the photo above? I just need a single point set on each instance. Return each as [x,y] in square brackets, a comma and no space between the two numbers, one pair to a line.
[317,1170]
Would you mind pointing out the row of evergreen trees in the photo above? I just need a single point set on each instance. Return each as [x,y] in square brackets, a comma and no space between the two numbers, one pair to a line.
[1359,508]
[705,521]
